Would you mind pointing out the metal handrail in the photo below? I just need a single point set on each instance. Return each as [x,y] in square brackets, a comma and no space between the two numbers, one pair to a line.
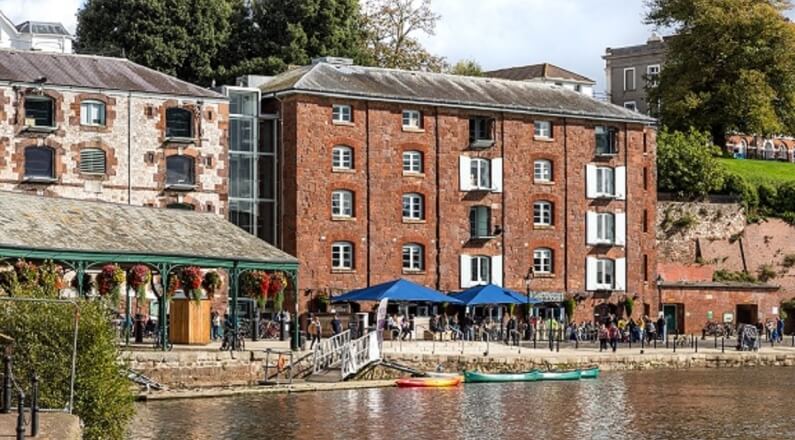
[360,353]
[328,353]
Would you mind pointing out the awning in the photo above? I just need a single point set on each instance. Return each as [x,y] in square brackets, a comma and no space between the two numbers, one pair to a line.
[398,291]
[492,294]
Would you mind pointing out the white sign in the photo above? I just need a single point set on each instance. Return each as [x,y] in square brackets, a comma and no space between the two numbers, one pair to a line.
[775,310]
[548,296]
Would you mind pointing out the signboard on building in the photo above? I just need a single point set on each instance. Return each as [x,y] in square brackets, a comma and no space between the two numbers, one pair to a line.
[548,296]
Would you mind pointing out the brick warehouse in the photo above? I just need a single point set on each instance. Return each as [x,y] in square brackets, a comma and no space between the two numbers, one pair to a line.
[104,128]
[453,181]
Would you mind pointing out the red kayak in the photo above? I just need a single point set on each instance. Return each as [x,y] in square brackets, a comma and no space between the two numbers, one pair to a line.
[424,382]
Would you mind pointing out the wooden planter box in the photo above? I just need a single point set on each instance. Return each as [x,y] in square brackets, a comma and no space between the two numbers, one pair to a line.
[190,322]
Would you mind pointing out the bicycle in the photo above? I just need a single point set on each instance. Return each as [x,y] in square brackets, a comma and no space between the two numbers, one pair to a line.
[158,341]
[269,330]
[233,341]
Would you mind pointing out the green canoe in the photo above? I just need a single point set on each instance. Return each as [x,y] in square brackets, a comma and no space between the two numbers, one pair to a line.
[530,376]
[561,375]
[590,373]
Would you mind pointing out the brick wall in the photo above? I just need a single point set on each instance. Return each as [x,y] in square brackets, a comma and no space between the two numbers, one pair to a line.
[378,230]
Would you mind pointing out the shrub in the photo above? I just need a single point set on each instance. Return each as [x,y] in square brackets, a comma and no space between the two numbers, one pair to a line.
[765,273]
[789,261]
[629,306]
[685,222]
[739,277]
[736,185]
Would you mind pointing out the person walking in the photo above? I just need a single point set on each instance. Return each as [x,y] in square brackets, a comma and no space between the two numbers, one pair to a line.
[603,335]
[662,329]
[315,330]
[215,323]
[511,333]
[336,325]
[613,333]
[779,329]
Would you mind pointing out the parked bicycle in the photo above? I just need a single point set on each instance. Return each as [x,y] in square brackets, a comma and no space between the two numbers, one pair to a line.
[269,329]
[233,340]
[158,341]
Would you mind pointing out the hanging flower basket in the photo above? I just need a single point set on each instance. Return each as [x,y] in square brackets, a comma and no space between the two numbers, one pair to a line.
[174,284]
[211,283]
[138,278]
[255,284]
[278,282]
[191,279]
[109,281]
[51,278]
[27,272]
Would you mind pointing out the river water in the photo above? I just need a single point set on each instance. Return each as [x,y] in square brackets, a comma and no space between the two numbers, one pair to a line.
[666,404]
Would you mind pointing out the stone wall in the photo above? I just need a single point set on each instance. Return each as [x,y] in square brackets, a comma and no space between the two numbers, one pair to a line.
[194,369]
[680,225]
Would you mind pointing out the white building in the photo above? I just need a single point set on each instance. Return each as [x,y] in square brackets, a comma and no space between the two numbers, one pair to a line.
[34,35]
[548,74]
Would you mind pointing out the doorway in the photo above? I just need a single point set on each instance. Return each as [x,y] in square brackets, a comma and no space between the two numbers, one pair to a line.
[747,314]
[674,318]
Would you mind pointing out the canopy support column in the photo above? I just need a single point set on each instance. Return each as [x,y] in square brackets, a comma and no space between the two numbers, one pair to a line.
[234,284]
[295,343]
[162,315]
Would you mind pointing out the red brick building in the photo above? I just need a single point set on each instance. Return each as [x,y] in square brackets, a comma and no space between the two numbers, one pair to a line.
[453,181]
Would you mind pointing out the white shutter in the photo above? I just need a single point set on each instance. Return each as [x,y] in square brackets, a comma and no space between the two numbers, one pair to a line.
[496,175]
[466,271]
[496,270]
[465,173]
[590,181]
[621,183]
[590,273]
[621,228]
[621,274]
[590,228]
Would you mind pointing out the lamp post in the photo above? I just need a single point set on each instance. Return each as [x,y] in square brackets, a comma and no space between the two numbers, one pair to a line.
[658,281]
[528,278]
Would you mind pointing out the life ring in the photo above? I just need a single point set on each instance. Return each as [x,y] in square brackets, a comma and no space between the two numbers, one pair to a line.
[280,363]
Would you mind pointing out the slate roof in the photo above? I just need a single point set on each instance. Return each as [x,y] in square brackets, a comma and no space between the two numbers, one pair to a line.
[42,27]
[535,71]
[47,223]
[445,90]
[93,72]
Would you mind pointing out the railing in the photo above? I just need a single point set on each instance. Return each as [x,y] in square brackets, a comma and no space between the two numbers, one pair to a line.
[9,385]
[328,353]
[360,353]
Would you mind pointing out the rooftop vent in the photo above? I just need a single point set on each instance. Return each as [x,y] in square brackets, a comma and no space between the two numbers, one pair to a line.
[333,60]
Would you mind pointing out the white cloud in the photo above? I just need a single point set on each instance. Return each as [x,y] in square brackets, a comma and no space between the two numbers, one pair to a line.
[63,11]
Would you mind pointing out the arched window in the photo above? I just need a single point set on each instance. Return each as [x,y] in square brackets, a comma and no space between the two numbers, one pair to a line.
[413,258]
[481,270]
[480,173]
[39,111]
[542,261]
[92,161]
[413,206]
[412,162]
[342,158]
[542,171]
[542,213]
[39,163]
[179,123]
[180,171]
[92,113]
[769,150]
[740,149]
[342,203]
[342,255]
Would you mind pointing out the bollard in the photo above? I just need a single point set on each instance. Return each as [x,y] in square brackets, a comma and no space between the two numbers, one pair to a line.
[21,416]
[716,341]
[696,345]
[535,338]
[34,405]
[666,340]
[655,343]
[722,339]
[675,338]
[558,345]
[6,385]
[642,345]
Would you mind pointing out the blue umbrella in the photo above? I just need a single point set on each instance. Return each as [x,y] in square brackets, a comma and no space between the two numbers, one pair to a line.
[492,294]
[399,291]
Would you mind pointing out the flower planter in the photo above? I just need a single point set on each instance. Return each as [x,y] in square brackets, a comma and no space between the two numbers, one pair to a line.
[190,322]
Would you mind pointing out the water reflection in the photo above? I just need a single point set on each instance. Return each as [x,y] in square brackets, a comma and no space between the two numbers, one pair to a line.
[725,404]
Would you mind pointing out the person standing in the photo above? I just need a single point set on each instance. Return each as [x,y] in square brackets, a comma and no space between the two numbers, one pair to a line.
[662,329]
[603,335]
[336,325]
[215,324]
[779,329]
[613,333]
[315,330]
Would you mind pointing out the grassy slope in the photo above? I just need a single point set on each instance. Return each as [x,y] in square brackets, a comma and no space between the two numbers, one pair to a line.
[757,171]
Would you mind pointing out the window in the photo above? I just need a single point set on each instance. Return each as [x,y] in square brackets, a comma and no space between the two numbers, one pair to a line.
[630,105]
[645,226]
[413,207]
[179,171]
[542,171]
[605,279]
[481,271]
[342,158]
[542,261]
[39,163]
[645,267]
[39,111]
[480,132]
[92,161]
[605,228]
[92,113]
[543,129]
[645,178]
[342,203]
[412,119]
[341,114]
[542,214]
[342,255]
[480,174]
[629,78]
[179,123]
[605,182]
[606,140]
[412,162]
[479,222]
[182,206]
[413,259]
[653,74]
[578,88]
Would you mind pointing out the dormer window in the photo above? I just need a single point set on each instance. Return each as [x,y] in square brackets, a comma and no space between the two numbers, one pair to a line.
[39,111]
[179,123]
[480,132]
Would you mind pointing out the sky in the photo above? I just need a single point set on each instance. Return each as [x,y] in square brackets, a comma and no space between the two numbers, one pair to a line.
[496,33]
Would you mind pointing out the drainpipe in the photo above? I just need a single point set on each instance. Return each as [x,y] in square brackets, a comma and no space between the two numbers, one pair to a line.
[367,186]
[438,203]
[565,205]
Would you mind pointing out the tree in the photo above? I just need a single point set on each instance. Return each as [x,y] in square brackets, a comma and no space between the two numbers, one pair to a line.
[731,66]
[390,27]
[686,164]
[177,37]
[467,68]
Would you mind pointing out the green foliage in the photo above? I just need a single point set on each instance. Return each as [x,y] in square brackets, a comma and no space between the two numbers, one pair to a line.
[685,222]
[763,171]
[686,164]
[569,304]
[43,335]
[729,276]
[467,67]
[789,261]
[730,68]
[629,305]
[738,186]
[765,273]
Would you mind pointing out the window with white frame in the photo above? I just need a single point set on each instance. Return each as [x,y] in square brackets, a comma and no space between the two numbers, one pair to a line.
[413,206]
[542,171]
[480,132]
[342,203]
[92,113]
[341,113]
[542,213]
[653,74]
[605,274]
[542,261]
[342,255]
[543,129]
[413,258]
[342,158]
[629,78]
[605,182]
[412,162]
[480,173]
[630,105]
[605,227]
[412,119]
[480,271]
